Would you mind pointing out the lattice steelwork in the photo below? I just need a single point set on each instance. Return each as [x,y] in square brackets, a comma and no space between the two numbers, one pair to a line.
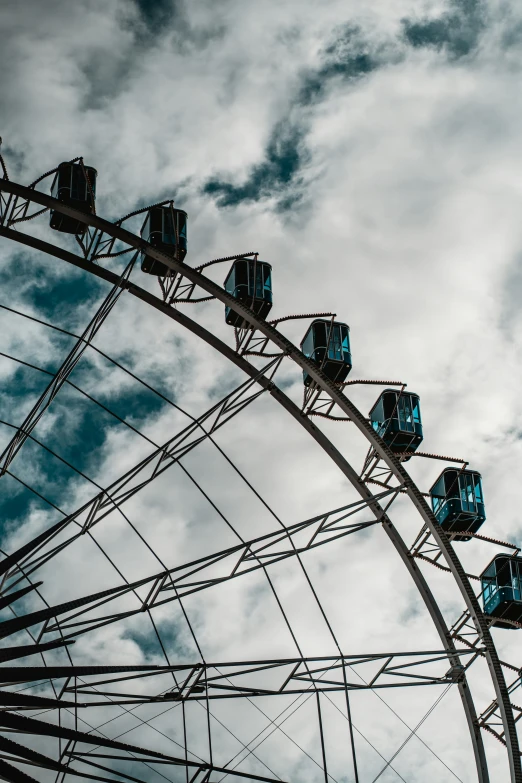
[48,705]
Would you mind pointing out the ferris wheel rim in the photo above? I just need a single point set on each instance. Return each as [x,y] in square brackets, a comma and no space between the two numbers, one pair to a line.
[348,407]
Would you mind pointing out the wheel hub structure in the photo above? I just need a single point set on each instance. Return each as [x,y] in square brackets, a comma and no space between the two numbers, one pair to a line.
[200,578]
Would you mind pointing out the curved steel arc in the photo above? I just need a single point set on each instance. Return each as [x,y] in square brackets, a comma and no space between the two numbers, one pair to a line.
[347,406]
[320,438]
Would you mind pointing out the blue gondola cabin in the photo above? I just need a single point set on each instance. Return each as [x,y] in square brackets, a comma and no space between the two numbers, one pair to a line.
[165,229]
[396,418]
[75,186]
[502,590]
[458,502]
[250,282]
[327,343]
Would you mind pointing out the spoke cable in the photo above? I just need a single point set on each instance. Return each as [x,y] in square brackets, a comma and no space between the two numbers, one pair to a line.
[413,731]
[105,356]
[159,560]
[328,624]
[67,366]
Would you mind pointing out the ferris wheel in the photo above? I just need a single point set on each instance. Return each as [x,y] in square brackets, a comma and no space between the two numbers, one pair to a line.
[197,606]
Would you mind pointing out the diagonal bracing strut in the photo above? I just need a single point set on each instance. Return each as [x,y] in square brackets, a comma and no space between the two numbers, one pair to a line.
[134,480]
[276,677]
[175,583]
[202,680]
[68,365]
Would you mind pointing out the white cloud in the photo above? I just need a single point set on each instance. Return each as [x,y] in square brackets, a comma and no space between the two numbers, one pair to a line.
[408,228]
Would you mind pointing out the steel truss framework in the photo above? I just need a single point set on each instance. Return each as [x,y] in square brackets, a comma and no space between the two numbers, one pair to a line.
[201,682]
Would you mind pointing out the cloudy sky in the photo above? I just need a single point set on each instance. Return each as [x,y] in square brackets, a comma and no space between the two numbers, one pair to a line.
[371,153]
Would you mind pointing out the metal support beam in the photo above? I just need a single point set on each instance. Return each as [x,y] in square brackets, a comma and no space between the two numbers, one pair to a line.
[286,347]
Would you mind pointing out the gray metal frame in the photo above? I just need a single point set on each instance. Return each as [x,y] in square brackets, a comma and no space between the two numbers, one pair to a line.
[350,411]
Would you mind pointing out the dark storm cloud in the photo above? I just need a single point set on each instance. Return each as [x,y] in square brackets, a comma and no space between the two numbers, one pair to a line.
[64,300]
[57,292]
[109,71]
[173,637]
[158,14]
[50,461]
[457,31]
[348,58]
[59,298]
[284,156]
[159,18]
[16,503]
